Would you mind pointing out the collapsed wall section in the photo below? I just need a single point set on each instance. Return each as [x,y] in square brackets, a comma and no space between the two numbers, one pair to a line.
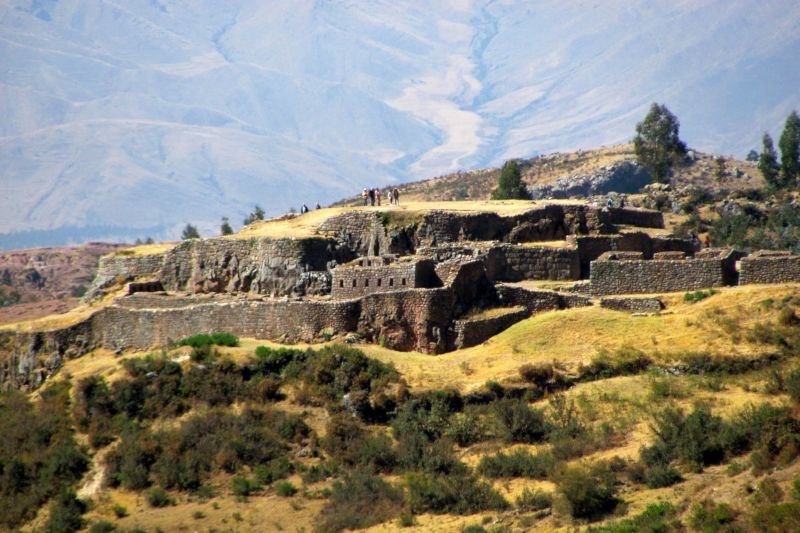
[116,268]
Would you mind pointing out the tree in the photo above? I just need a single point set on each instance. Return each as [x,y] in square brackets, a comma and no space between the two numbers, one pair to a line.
[257,214]
[190,232]
[656,144]
[768,162]
[510,186]
[225,228]
[149,240]
[752,155]
[789,143]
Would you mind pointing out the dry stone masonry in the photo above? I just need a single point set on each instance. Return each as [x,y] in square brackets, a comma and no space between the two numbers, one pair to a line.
[410,281]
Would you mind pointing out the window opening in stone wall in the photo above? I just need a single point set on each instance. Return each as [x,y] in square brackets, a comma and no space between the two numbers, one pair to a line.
[354,283]
[366,283]
[379,282]
[403,281]
[341,284]
[391,282]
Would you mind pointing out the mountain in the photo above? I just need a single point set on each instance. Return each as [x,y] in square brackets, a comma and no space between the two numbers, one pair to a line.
[132,119]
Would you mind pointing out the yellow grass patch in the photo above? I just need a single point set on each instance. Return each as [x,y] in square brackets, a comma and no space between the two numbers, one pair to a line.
[145,249]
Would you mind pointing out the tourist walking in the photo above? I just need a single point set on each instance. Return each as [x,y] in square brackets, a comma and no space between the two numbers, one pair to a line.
[396,194]
[365,196]
[378,196]
[371,197]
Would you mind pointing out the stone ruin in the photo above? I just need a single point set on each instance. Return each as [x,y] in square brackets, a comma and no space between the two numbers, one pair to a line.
[432,283]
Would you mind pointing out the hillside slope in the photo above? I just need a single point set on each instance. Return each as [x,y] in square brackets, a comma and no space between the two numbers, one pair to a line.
[708,353]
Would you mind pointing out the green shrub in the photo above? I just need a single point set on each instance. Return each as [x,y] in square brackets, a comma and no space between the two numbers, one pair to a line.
[660,475]
[285,489]
[65,513]
[243,486]
[454,494]
[319,472]
[792,384]
[120,511]
[587,492]
[624,361]
[664,388]
[102,526]
[537,374]
[158,497]
[274,360]
[348,442]
[203,339]
[519,463]
[695,439]
[777,517]
[419,428]
[696,296]
[658,517]
[39,457]
[534,500]
[518,422]
[466,428]
[273,470]
[359,501]
[710,517]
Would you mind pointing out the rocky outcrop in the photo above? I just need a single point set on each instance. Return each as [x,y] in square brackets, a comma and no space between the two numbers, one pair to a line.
[273,267]
[622,177]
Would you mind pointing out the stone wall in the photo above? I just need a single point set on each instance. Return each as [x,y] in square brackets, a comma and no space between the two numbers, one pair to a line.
[28,358]
[641,218]
[351,281]
[590,247]
[609,276]
[274,267]
[518,263]
[769,267]
[115,268]
[471,332]
[632,304]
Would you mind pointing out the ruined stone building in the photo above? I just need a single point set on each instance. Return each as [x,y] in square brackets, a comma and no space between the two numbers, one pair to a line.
[413,283]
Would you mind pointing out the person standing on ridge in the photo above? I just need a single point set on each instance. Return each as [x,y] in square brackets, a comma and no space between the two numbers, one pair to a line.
[378,196]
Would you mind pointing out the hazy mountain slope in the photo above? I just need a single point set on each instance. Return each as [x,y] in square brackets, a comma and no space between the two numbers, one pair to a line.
[151,114]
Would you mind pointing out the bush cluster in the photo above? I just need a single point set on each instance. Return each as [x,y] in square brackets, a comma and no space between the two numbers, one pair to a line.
[39,457]
[185,457]
[204,339]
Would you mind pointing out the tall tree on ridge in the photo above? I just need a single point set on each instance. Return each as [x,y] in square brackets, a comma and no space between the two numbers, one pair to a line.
[789,143]
[657,144]
[768,162]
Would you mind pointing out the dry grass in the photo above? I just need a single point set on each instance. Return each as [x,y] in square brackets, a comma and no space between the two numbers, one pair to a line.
[145,249]
[574,336]
[267,512]
[494,312]
[307,225]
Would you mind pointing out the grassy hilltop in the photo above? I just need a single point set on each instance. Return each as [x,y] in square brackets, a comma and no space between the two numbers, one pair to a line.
[584,418]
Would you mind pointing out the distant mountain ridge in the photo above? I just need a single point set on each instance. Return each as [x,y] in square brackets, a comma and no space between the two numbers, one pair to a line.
[147,115]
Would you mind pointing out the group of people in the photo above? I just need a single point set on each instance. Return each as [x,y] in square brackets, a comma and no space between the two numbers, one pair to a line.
[304,208]
[697,243]
[373,196]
